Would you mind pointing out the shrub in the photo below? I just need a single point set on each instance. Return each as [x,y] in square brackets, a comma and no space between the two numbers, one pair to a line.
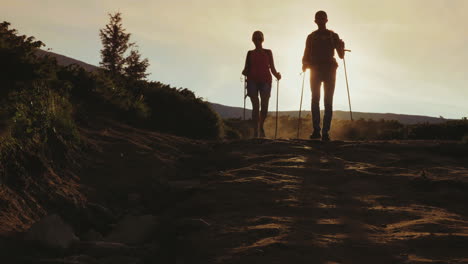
[180,112]
[236,128]
[449,130]
[141,103]
[38,132]
[97,92]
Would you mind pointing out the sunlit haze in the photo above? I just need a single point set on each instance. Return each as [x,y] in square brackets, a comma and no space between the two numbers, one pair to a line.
[408,57]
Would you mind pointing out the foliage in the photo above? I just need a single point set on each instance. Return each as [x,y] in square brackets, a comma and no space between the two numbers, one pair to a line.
[38,133]
[39,102]
[236,128]
[98,93]
[18,61]
[180,112]
[136,67]
[33,100]
[115,43]
[361,129]
[368,129]
[139,102]
[36,110]
[449,130]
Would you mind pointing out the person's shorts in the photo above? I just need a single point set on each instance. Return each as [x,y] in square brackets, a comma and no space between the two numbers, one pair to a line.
[254,88]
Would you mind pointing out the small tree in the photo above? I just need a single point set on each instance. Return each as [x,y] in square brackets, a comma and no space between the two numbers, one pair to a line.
[115,43]
[136,67]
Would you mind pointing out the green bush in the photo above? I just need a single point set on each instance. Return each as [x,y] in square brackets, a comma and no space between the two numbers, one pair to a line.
[138,102]
[367,129]
[37,127]
[372,130]
[235,128]
[180,112]
[98,93]
[449,130]
[141,103]
[36,116]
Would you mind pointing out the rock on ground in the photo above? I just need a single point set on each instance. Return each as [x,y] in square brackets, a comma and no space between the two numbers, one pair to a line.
[133,229]
[52,231]
[92,235]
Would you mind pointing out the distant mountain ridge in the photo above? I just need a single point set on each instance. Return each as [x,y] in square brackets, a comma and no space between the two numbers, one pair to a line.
[65,61]
[238,112]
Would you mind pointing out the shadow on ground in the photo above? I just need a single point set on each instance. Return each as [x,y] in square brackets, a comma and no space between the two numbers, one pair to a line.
[342,202]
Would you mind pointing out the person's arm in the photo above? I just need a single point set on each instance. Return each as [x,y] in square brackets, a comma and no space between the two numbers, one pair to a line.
[245,71]
[339,45]
[272,66]
[306,58]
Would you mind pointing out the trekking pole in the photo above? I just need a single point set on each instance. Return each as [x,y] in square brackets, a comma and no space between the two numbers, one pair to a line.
[277,98]
[347,86]
[300,105]
[245,93]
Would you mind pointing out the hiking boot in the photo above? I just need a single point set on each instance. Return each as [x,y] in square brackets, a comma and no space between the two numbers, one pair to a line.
[315,135]
[325,137]
[262,133]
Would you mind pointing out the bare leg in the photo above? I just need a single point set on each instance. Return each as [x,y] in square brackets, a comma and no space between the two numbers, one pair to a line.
[255,114]
[265,98]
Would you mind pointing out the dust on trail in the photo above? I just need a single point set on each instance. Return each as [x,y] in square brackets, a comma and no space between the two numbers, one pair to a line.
[341,202]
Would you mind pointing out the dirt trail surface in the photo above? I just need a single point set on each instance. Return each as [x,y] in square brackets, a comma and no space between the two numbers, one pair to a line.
[340,202]
[155,198]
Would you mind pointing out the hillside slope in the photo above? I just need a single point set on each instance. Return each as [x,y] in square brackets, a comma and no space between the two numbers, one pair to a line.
[118,161]
[65,61]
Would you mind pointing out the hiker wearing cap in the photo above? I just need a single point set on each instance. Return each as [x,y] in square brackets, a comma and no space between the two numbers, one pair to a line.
[259,66]
[319,58]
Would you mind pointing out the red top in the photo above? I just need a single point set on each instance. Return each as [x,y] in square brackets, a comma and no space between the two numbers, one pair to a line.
[259,66]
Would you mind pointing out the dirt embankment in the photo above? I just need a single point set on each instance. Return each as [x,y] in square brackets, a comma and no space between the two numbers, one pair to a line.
[121,171]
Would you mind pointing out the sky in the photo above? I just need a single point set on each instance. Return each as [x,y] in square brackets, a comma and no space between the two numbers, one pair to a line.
[407,56]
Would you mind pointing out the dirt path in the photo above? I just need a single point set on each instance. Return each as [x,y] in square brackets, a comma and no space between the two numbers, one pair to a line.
[267,201]
[308,202]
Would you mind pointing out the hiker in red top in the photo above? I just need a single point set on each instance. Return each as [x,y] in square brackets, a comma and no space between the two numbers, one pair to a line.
[258,65]
[319,58]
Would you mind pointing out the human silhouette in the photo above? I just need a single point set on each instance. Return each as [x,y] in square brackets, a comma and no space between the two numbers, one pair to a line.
[319,58]
[259,65]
